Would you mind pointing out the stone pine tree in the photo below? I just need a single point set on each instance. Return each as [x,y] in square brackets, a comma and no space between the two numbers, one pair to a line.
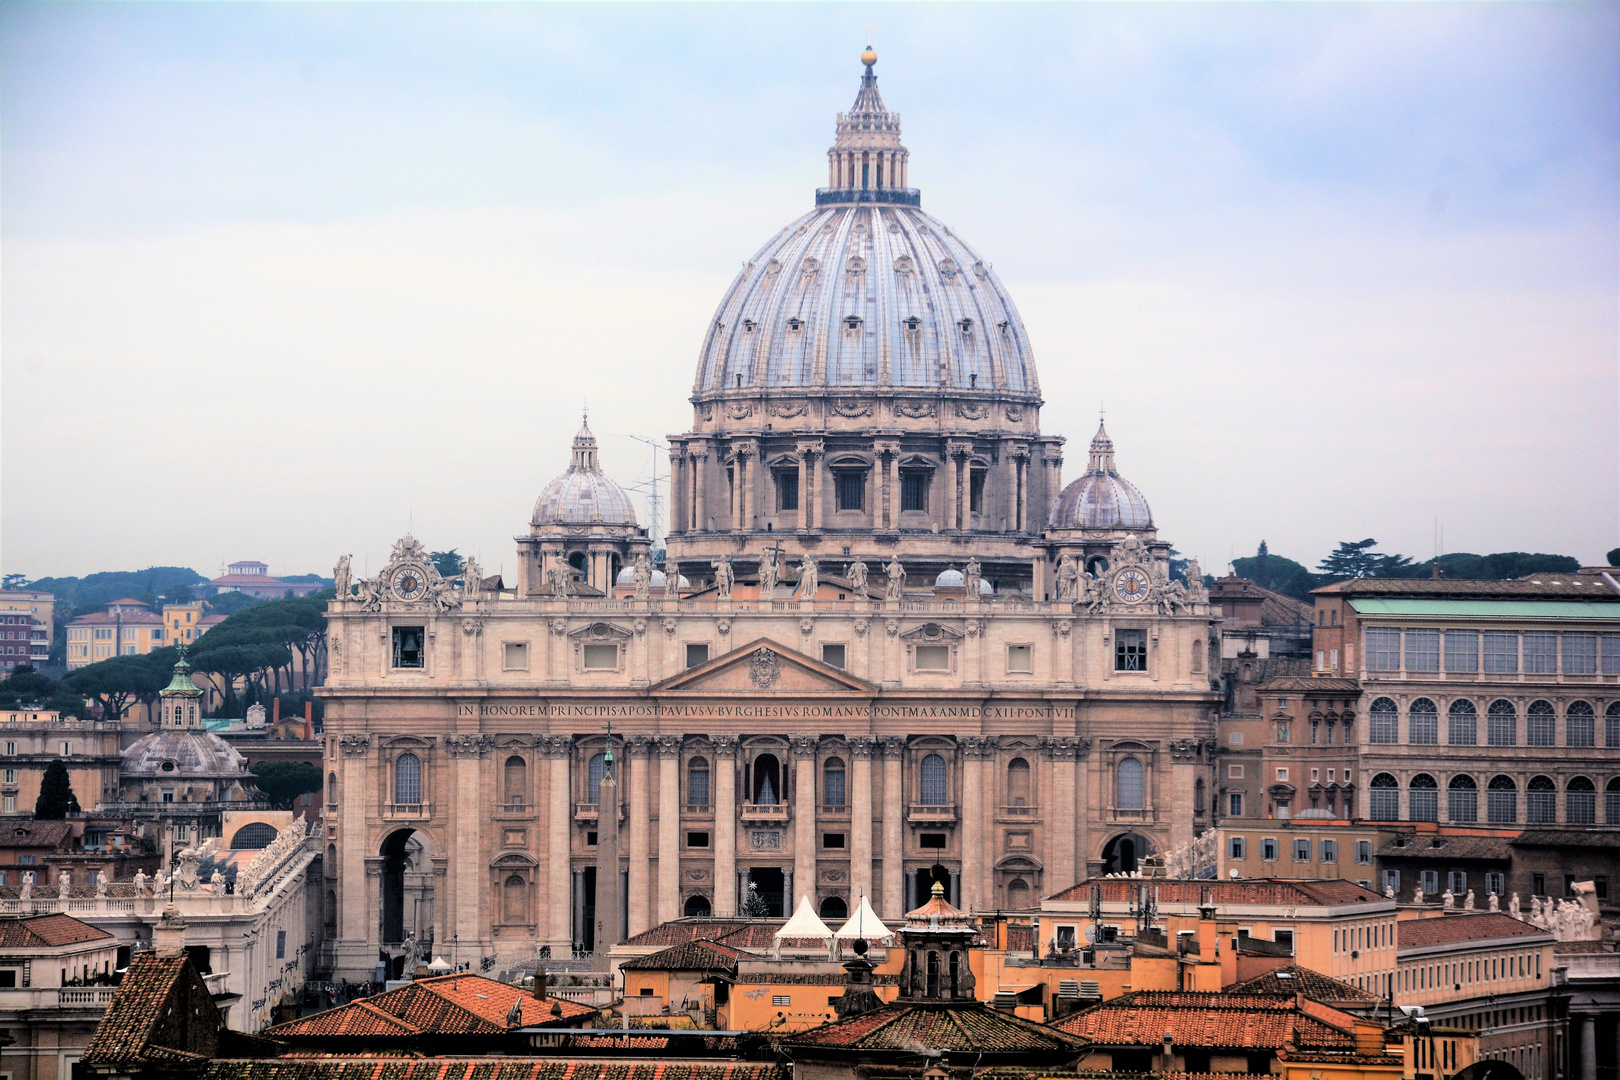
[56,799]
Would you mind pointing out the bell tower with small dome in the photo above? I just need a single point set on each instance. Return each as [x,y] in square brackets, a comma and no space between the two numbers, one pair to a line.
[180,703]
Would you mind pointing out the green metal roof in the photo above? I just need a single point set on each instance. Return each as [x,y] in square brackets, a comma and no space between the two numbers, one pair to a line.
[1487,609]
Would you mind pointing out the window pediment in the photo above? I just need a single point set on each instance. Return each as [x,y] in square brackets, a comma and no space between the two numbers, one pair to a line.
[600,631]
[403,742]
[931,633]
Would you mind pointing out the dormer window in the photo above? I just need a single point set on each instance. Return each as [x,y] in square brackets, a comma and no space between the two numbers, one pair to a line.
[852,322]
[748,326]
[966,326]
[794,325]
[913,324]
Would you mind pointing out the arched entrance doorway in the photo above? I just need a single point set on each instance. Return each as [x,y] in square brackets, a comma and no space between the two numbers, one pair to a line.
[407,890]
[1122,853]
[770,884]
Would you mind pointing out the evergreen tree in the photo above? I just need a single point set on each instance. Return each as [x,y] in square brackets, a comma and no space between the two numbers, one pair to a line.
[1351,559]
[1614,556]
[447,563]
[753,905]
[56,799]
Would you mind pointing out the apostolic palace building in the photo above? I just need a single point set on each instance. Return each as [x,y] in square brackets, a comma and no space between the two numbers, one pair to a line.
[892,647]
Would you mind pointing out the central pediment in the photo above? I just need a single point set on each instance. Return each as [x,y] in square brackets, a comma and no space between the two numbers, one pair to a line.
[765,667]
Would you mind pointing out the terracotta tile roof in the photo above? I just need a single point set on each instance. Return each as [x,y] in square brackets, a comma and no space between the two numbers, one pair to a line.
[966,1027]
[1584,947]
[1326,686]
[1219,1020]
[1450,848]
[1585,586]
[47,931]
[439,1068]
[754,935]
[1451,929]
[1599,838]
[1286,982]
[703,955]
[1256,892]
[32,834]
[805,978]
[444,1005]
[128,618]
[125,1033]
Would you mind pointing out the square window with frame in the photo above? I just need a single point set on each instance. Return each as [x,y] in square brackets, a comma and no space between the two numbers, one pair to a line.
[832,841]
[1363,852]
[408,647]
[600,657]
[932,658]
[1020,659]
[1130,650]
[833,655]
[1282,774]
[934,841]
[1330,851]
[1302,851]
[1236,849]
[697,839]
[697,653]
[515,656]
[1234,772]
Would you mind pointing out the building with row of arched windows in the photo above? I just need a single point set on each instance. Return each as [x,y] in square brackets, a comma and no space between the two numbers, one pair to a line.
[899,651]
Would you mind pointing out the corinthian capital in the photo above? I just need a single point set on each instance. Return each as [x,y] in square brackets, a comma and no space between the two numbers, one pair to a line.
[725,745]
[554,746]
[803,744]
[863,746]
[639,745]
[894,746]
[669,745]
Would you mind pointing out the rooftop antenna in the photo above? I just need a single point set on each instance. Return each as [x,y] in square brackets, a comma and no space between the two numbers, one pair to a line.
[655,502]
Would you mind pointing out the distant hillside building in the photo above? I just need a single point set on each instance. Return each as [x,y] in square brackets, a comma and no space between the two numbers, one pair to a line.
[25,628]
[129,627]
[253,578]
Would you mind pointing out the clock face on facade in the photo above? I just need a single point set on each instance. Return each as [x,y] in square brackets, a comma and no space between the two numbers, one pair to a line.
[1131,586]
[409,583]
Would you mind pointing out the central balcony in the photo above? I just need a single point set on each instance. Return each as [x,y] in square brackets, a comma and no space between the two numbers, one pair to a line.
[932,813]
[763,813]
[513,811]
[407,811]
[589,811]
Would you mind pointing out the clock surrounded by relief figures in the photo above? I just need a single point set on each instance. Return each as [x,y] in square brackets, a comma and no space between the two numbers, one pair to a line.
[409,582]
[1131,585]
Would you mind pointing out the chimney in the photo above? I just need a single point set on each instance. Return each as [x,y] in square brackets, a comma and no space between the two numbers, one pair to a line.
[309,721]
[275,710]
[540,980]
[1208,939]
[169,937]
[1167,1058]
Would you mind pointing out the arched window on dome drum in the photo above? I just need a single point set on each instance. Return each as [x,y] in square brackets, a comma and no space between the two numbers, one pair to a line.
[1502,724]
[1580,724]
[1422,798]
[1611,802]
[1580,801]
[832,783]
[1423,723]
[1018,782]
[1540,724]
[1128,793]
[1501,801]
[1462,724]
[1541,801]
[595,773]
[697,783]
[253,836]
[408,780]
[516,781]
[932,775]
[1383,722]
[1462,804]
[1384,801]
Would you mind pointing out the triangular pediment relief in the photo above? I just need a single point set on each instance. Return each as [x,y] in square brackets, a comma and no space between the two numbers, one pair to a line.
[765,667]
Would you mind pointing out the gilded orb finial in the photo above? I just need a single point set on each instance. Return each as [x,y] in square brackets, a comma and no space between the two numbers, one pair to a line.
[869,57]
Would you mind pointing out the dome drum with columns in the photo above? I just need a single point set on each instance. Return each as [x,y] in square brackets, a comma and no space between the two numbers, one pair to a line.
[981,682]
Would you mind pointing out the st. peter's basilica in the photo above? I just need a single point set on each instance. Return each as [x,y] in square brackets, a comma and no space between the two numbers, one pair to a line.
[888,647]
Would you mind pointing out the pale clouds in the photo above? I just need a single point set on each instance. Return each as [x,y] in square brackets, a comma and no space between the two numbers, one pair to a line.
[280,280]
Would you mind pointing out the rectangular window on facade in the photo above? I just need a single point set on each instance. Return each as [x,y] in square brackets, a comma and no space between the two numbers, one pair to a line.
[1495,882]
[1234,772]
[933,657]
[1268,849]
[1457,881]
[1302,851]
[697,652]
[1540,649]
[976,491]
[1392,880]
[281,944]
[1429,881]
[931,840]
[1130,650]
[832,655]
[600,657]
[1363,852]
[1330,850]
[11,749]
[1235,848]
[1019,659]
[516,656]
[8,802]
[10,776]
[697,839]
[851,490]
[1423,650]
[408,651]
[1383,649]
[832,840]
[914,490]
[1580,654]
[1501,652]
[1235,804]
[787,491]
[781,999]
[1611,654]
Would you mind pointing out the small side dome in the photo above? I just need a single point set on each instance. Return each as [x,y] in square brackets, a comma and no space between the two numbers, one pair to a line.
[584,495]
[1101,499]
[950,579]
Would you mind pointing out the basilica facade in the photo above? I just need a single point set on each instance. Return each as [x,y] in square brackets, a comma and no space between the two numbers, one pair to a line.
[888,646]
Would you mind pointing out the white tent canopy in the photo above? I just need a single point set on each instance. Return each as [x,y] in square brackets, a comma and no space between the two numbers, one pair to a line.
[864,923]
[804,924]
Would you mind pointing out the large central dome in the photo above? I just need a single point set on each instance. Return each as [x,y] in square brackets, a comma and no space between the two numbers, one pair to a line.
[867,296]
[867,291]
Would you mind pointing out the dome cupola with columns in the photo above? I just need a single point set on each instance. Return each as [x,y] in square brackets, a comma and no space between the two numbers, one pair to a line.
[866,384]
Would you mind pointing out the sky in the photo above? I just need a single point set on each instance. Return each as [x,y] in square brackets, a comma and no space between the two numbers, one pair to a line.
[284,281]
